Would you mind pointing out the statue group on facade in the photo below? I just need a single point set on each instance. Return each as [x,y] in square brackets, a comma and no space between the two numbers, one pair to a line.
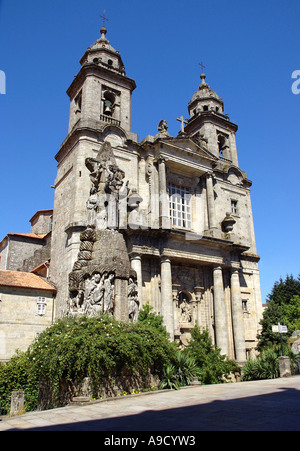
[92,283]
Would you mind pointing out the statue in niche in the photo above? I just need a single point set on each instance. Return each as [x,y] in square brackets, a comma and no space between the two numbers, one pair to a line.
[185,312]
[133,301]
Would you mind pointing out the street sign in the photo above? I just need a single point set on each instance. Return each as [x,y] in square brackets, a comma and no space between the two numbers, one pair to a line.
[279,328]
[282,329]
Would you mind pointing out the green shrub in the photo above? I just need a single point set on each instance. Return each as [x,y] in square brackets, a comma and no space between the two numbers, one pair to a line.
[74,348]
[180,372]
[265,366]
[18,374]
[169,378]
[213,368]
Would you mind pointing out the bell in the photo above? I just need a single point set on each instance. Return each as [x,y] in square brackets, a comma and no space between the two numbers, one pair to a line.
[107,108]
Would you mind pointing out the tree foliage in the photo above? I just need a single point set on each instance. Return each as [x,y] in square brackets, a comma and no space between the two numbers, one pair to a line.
[283,306]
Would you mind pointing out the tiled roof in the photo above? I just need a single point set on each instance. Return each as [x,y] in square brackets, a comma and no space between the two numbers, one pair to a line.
[25,235]
[29,235]
[24,280]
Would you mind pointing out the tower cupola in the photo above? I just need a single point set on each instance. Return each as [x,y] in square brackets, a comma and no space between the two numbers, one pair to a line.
[205,99]
[207,119]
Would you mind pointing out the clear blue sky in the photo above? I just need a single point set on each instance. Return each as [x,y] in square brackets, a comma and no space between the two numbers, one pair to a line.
[249,48]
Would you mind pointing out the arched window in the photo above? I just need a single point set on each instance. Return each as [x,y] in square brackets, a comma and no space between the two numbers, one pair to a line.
[221,144]
[108,104]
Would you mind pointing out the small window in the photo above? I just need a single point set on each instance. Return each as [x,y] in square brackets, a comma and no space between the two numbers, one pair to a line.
[41,306]
[205,108]
[78,102]
[221,145]
[234,207]
[245,305]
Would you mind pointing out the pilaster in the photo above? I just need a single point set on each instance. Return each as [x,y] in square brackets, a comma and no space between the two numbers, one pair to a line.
[163,195]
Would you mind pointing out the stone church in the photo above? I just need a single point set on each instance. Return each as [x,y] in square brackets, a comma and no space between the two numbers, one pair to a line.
[165,221]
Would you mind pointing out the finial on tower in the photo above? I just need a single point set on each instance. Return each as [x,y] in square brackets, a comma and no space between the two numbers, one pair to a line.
[202,76]
[103,30]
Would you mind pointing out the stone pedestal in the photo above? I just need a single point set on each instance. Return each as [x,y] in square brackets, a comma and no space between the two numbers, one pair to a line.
[99,280]
[284,366]
[17,402]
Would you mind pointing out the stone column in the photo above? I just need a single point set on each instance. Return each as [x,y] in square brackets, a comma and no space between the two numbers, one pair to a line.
[136,264]
[237,317]
[164,213]
[121,300]
[210,201]
[167,295]
[220,311]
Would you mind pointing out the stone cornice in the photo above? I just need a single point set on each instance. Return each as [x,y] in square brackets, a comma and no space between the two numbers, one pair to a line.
[91,69]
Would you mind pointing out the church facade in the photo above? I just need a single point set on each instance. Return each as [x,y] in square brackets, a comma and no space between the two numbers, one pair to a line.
[181,205]
[165,221]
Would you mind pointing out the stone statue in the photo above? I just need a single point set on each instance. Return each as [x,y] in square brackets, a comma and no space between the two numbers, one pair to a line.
[185,312]
[109,294]
[106,180]
[163,126]
[133,301]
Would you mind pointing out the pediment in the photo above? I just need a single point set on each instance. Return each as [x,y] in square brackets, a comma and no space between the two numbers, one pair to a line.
[188,145]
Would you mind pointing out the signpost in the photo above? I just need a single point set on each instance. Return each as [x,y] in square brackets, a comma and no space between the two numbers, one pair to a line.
[281,329]
[284,361]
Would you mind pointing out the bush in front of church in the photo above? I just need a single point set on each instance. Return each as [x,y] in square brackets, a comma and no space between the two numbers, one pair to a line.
[213,367]
[99,348]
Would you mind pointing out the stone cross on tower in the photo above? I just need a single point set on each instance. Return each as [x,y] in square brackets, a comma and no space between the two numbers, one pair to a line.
[104,18]
[182,121]
[202,66]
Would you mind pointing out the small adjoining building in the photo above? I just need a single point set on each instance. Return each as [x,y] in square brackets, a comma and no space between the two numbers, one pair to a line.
[27,304]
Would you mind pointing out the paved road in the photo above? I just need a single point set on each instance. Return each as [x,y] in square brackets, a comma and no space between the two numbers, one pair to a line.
[269,405]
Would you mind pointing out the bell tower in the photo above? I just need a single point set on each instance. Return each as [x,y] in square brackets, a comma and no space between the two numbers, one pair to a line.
[207,119]
[101,91]
[100,113]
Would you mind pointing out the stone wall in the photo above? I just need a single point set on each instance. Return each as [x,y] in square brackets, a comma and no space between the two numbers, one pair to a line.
[111,386]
